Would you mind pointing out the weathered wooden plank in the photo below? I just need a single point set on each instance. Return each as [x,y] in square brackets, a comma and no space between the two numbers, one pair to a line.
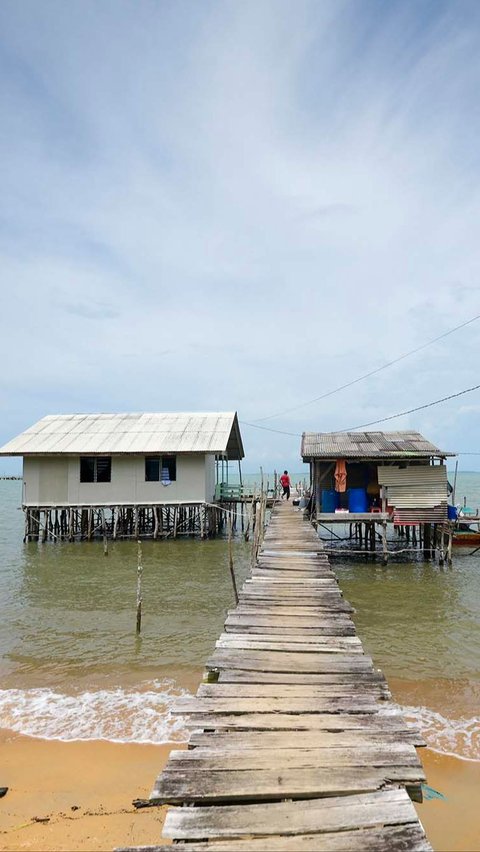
[318,605]
[290,576]
[277,610]
[242,690]
[283,661]
[243,740]
[296,639]
[203,785]
[268,623]
[328,644]
[282,704]
[239,676]
[404,838]
[283,630]
[386,807]
[321,583]
[385,754]
[295,722]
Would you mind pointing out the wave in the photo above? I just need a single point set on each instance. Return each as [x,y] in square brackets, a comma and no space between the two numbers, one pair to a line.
[143,715]
[453,737]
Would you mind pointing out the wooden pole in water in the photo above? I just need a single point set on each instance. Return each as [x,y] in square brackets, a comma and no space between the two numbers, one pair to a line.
[139,587]
[441,557]
[449,546]
[384,542]
[455,483]
[230,558]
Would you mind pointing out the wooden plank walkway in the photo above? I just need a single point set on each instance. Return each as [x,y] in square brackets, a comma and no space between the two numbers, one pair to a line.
[294,747]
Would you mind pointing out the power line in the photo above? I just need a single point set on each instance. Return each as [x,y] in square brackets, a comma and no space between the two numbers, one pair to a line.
[372,422]
[411,410]
[371,373]
[269,429]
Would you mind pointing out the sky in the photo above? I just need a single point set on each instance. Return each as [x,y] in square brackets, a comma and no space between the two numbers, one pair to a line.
[241,206]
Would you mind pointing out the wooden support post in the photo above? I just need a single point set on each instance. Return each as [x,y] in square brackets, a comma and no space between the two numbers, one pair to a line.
[427,541]
[230,558]
[104,530]
[139,586]
[441,555]
[384,542]
[449,546]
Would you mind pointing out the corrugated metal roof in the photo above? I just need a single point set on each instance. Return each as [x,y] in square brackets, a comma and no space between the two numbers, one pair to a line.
[333,445]
[111,434]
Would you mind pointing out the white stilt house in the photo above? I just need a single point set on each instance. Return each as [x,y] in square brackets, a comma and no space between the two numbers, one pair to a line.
[124,474]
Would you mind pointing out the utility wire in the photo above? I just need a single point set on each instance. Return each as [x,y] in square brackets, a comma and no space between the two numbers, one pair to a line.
[411,410]
[371,373]
[372,422]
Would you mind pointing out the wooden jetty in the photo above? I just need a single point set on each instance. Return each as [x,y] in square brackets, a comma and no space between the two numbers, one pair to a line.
[294,742]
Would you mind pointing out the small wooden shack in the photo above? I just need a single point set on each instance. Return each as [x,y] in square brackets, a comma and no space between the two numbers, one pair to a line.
[124,474]
[376,478]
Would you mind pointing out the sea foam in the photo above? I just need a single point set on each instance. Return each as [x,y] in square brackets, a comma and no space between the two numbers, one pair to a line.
[455,737]
[142,715]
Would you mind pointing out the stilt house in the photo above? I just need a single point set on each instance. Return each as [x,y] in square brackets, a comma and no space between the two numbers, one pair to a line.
[124,474]
[396,476]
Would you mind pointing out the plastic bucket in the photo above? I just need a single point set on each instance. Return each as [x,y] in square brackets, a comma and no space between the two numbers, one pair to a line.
[452,513]
[330,500]
[357,500]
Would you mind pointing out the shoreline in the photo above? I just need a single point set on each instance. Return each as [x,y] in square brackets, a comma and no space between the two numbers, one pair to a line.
[85,791]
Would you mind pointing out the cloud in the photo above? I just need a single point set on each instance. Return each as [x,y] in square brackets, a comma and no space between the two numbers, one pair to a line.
[92,310]
[271,197]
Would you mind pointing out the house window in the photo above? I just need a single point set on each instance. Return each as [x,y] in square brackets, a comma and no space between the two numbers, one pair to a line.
[95,469]
[161,469]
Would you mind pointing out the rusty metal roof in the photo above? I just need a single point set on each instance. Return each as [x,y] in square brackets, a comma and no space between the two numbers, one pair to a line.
[366,445]
[114,434]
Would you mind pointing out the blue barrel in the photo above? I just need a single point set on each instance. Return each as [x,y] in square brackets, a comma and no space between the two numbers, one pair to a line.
[330,500]
[452,513]
[357,500]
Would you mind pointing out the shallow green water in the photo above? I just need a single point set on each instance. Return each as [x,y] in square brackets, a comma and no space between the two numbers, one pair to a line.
[72,666]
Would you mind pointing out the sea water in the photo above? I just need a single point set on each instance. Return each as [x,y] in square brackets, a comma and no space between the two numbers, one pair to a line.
[72,666]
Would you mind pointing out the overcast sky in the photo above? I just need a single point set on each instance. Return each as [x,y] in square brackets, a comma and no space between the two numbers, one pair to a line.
[241,205]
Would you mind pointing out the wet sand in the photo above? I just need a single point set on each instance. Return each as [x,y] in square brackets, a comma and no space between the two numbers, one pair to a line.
[453,824]
[85,789]
[48,779]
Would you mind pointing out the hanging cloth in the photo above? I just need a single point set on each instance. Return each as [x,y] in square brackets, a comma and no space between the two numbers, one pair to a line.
[340,476]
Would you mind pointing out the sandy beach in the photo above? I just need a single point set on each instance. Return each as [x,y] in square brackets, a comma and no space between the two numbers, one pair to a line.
[85,790]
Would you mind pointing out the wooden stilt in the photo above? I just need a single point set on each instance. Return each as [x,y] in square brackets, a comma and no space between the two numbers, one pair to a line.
[384,542]
[449,546]
[139,587]
[441,555]
[230,558]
